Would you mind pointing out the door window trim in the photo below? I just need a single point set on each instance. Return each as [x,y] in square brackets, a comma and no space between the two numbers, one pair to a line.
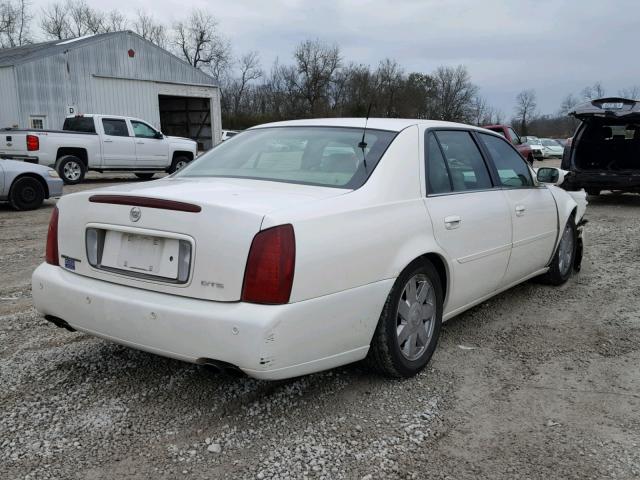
[486,160]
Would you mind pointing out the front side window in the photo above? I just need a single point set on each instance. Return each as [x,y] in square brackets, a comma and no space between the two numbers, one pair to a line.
[512,169]
[324,156]
[142,130]
[465,164]
[515,139]
[115,127]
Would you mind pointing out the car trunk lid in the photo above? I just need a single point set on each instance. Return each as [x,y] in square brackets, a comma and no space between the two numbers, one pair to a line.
[188,237]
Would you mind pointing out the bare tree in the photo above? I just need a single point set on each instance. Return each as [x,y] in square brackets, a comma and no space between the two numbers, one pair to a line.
[15,22]
[114,21]
[453,94]
[316,63]
[250,70]
[630,92]
[525,108]
[567,105]
[390,79]
[594,91]
[147,27]
[54,21]
[201,45]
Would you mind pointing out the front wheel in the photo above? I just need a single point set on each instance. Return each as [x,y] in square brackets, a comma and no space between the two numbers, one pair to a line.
[71,169]
[564,258]
[409,326]
[27,193]
[178,163]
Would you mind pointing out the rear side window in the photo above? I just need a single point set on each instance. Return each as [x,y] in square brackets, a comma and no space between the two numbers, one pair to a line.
[438,180]
[80,124]
[115,127]
[512,169]
[464,161]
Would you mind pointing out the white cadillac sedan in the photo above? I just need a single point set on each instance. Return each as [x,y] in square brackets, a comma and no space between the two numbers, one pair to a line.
[300,246]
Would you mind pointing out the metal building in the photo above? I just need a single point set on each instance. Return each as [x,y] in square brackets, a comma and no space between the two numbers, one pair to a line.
[117,73]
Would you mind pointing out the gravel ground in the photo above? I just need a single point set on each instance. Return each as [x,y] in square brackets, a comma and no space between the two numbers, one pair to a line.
[538,382]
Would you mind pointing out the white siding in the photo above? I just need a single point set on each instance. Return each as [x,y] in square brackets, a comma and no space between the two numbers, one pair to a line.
[9,107]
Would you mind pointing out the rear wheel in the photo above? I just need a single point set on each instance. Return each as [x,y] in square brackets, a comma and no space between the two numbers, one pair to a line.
[179,162]
[27,193]
[409,326]
[530,159]
[144,175]
[563,260]
[71,169]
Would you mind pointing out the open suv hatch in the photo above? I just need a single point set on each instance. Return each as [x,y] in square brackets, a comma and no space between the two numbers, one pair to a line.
[605,151]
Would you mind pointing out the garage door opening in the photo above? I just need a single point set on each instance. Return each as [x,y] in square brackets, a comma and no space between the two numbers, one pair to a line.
[188,117]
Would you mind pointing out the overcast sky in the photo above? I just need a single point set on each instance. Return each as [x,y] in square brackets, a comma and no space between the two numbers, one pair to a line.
[553,46]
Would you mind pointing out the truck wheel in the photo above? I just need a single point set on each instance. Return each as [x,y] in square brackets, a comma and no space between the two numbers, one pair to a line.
[27,193]
[178,163]
[144,175]
[71,169]
[530,159]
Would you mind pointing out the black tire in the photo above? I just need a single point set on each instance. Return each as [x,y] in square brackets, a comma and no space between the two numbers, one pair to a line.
[178,162]
[593,191]
[145,175]
[27,193]
[530,159]
[71,169]
[385,355]
[559,271]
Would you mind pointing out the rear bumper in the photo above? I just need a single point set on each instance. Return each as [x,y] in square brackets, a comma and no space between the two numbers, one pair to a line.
[265,341]
[604,180]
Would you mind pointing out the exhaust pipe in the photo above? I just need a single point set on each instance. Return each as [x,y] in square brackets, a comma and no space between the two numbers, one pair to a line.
[58,322]
[221,367]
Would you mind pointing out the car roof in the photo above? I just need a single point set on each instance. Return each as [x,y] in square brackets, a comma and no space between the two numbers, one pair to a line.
[391,124]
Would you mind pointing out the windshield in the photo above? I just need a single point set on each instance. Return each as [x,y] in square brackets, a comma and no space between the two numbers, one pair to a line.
[533,141]
[549,142]
[325,156]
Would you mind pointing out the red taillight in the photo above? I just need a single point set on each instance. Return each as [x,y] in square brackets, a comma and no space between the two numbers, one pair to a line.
[51,255]
[269,274]
[33,143]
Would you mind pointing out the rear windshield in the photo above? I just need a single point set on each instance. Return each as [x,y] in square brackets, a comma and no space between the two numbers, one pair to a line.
[325,156]
[79,124]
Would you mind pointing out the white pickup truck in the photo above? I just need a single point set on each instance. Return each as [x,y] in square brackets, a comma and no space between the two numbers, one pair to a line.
[100,143]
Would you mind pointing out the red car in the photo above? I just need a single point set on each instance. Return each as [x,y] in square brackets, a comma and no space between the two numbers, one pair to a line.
[510,134]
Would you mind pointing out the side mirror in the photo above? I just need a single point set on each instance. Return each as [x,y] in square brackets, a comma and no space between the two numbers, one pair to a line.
[554,176]
[158,135]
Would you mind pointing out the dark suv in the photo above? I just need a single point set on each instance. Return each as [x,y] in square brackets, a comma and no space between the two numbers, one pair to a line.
[605,151]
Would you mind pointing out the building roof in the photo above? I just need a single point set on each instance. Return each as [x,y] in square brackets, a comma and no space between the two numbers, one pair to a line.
[37,51]
[391,124]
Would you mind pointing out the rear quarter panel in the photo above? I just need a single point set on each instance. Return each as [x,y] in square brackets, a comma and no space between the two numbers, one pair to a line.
[364,236]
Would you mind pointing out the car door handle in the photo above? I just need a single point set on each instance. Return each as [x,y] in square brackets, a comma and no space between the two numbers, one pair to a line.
[140,143]
[520,209]
[451,222]
[106,140]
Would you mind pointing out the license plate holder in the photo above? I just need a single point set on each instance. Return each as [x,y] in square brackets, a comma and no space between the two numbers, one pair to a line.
[142,254]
